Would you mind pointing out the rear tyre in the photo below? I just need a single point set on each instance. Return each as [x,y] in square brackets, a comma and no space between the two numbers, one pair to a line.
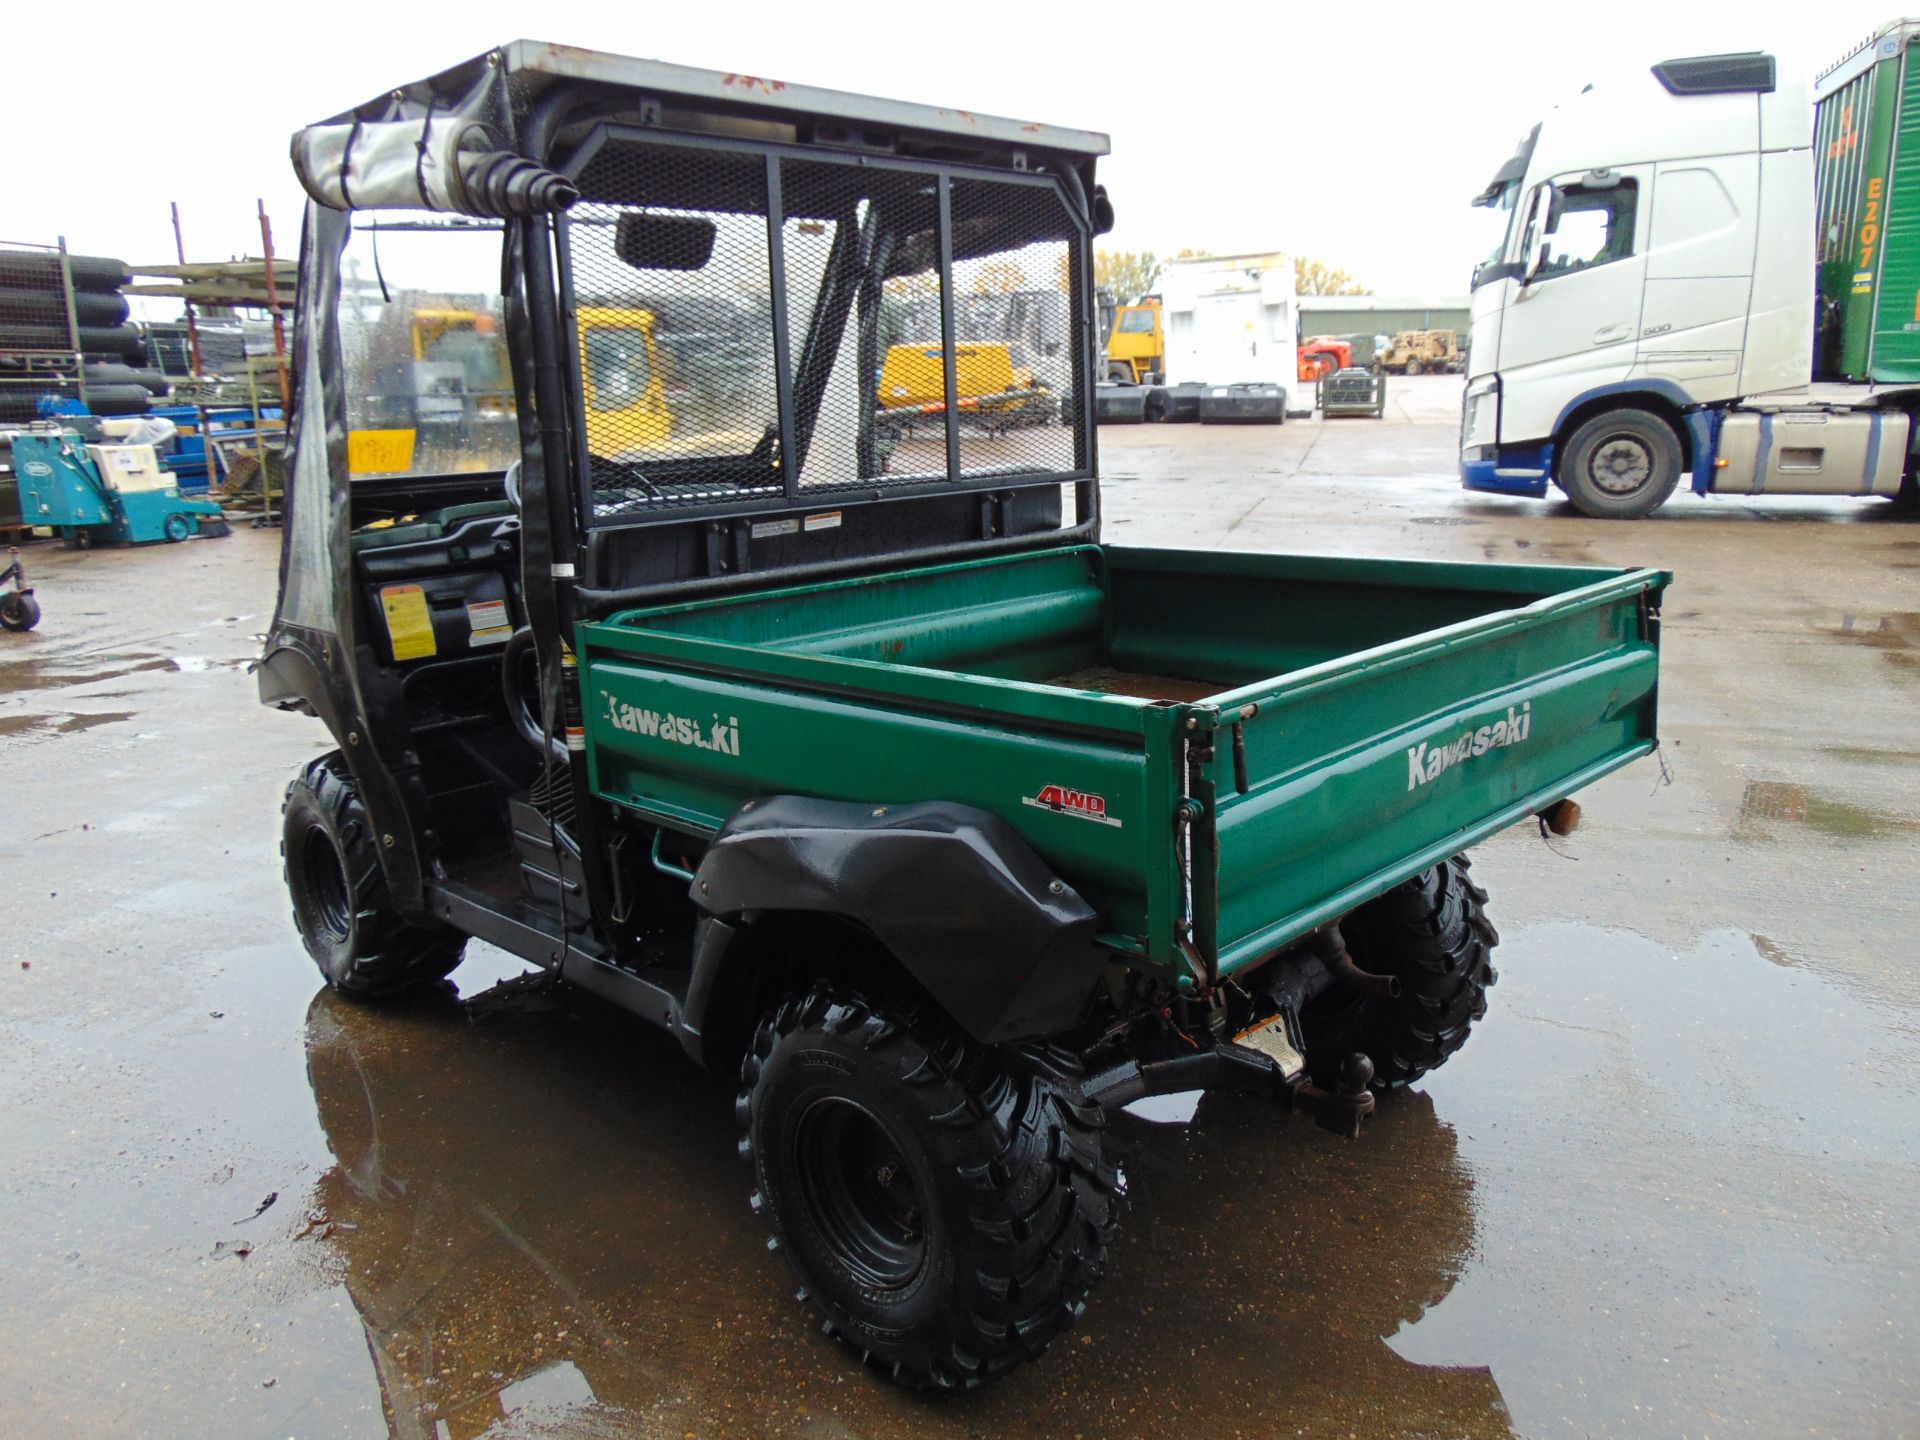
[18,613]
[947,1206]
[1433,936]
[1413,367]
[341,907]
[177,528]
[1119,375]
[1620,465]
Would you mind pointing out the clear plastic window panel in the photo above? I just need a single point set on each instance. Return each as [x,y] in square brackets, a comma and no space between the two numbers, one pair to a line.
[672,317]
[1014,351]
[429,390]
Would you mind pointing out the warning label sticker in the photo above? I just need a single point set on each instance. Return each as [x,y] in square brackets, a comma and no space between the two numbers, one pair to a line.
[489,621]
[409,621]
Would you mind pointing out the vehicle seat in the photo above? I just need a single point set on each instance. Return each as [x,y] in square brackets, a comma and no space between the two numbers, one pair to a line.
[431,525]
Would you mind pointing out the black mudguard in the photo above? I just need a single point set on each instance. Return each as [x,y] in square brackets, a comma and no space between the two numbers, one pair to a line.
[961,901]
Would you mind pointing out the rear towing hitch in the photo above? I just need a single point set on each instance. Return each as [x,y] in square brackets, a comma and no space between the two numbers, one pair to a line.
[1246,1063]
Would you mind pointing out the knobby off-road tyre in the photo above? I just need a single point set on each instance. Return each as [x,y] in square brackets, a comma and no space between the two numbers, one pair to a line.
[340,902]
[1433,936]
[1620,465]
[947,1206]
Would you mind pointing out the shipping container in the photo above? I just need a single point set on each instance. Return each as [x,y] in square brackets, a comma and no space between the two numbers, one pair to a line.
[1867,178]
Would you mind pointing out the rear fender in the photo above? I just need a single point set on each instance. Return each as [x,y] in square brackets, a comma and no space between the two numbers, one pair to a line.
[965,906]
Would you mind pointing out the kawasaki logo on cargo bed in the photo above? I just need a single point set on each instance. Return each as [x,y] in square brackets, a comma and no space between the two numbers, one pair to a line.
[1430,759]
[720,736]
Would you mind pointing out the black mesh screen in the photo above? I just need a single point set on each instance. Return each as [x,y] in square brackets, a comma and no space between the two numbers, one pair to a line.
[863,300]
[1013,356]
[678,258]
[675,358]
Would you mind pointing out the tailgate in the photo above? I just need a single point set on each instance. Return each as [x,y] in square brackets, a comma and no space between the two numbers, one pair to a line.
[1323,788]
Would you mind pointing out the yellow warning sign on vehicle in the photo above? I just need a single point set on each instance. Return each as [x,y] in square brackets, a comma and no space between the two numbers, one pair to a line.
[409,621]
[380,452]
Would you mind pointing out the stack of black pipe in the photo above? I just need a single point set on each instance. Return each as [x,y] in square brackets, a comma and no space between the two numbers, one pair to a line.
[36,346]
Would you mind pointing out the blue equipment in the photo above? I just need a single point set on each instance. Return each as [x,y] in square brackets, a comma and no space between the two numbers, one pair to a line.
[104,492]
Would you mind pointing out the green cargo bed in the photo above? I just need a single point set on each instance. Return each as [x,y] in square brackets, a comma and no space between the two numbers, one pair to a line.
[1219,751]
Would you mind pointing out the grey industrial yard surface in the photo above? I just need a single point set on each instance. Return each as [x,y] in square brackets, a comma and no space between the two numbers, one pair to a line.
[1671,1187]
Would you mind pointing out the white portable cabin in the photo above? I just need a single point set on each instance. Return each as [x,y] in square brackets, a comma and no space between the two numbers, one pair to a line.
[1230,319]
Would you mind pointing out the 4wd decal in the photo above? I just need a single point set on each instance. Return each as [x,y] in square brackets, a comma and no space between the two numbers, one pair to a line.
[1078,803]
[718,735]
[1430,759]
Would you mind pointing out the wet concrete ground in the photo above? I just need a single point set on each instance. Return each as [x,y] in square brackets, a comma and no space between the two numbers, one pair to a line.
[1669,1189]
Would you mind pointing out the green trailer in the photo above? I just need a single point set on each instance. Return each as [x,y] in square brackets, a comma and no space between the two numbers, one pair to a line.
[857,762]
[1866,156]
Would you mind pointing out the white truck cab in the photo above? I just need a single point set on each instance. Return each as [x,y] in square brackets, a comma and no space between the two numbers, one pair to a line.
[1649,309]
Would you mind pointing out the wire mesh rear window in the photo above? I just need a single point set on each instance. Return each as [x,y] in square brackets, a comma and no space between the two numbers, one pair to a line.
[678,257]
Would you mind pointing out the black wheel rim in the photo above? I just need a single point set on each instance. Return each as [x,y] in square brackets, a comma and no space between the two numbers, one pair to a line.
[329,900]
[1621,464]
[860,1192]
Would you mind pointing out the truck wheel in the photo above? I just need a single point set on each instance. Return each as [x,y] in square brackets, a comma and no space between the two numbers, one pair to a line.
[947,1206]
[1432,935]
[18,613]
[340,902]
[1620,465]
[1119,375]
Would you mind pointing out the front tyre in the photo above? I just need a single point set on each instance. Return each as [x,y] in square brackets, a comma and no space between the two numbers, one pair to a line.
[19,612]
[1620,465]
[1432,935]
[947,1206]
[341,907]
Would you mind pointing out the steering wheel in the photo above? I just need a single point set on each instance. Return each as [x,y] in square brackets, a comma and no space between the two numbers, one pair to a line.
[510,483]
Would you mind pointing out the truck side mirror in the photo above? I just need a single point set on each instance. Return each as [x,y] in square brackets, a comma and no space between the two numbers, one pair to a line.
[1556,202]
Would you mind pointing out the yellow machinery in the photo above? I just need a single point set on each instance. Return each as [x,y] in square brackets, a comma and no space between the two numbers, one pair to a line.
[987,380]
[1137,348]
[619,361]
[620,369]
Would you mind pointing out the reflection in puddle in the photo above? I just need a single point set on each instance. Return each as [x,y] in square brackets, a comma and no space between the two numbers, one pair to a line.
[57,674]
[525,1186]
[41,727]
[1896,637]
[1765,802]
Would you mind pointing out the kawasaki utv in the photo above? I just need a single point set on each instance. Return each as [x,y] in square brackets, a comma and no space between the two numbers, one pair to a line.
[849,755]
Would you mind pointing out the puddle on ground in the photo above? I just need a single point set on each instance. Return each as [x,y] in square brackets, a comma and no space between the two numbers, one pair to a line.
[1765,805]
[1866,755]
[41,727]
[1895,637]
[532,1196]
[524,1185]
[59,672]
[201,664]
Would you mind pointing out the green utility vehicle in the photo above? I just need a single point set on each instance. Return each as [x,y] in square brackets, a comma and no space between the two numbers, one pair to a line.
[856,761]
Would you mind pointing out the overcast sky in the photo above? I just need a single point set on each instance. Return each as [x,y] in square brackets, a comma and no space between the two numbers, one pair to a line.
[1355,133]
